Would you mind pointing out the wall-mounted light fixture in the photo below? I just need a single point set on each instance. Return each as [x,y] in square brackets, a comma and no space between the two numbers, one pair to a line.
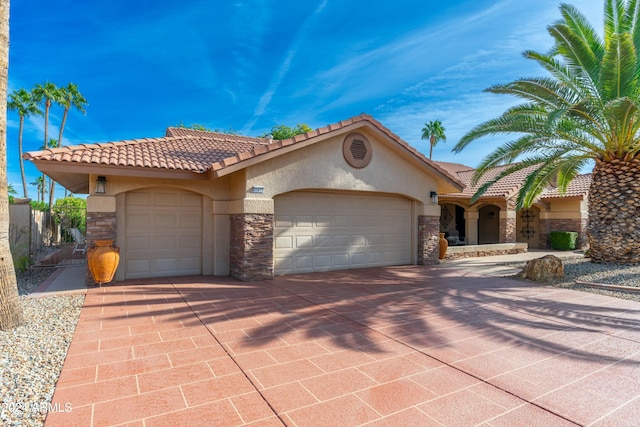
[434,197]
[257,189]
[101,185]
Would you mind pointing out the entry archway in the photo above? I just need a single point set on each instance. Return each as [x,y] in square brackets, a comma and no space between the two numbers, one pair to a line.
[489,224]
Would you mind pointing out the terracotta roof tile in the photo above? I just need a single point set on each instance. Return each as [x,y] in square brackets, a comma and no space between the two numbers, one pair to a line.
[578,187]
[200,151]
[508,186]
[186,152]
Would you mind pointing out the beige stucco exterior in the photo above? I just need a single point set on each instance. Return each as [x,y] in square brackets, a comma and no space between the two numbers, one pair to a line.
[318,167]
[570,208]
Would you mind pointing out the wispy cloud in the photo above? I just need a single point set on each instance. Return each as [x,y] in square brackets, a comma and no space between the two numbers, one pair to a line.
[282,70]
[376,71]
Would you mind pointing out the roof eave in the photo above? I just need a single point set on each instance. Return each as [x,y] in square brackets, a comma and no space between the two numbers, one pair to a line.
[63,172]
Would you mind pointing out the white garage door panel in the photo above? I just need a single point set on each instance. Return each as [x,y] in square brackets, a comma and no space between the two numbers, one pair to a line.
[322,232]
[163,234]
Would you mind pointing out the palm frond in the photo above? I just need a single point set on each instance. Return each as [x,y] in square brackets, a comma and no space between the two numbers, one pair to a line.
[581,26]
[544,91]
[557,69]
[618,71]
[577,53]
[567,171]
[510,169]
[613,17]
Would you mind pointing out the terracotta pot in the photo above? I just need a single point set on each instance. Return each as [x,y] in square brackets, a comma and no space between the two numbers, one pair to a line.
[443,245]
[103,261]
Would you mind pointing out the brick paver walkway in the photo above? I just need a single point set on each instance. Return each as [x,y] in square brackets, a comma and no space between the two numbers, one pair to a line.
[392,346]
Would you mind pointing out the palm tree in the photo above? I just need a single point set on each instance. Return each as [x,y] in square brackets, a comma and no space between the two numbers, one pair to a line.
[47,93]
[23,103]
[588,109]
[68,97]
[40,184]
[434,132]
[10,308]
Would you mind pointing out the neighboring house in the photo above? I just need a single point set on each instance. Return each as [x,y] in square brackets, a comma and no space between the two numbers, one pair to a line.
[349,195]
[494,219]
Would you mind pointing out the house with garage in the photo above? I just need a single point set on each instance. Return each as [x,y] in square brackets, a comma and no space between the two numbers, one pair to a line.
[494,218]
[349,195]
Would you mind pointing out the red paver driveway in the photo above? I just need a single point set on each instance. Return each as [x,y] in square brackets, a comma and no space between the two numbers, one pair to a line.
[398,346]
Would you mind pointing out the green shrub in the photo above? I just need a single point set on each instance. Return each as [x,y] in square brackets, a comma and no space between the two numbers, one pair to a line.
[564,240]
[22,263]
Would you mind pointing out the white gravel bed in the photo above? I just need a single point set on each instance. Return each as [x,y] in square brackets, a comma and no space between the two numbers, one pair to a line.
[581,269]
[32,355]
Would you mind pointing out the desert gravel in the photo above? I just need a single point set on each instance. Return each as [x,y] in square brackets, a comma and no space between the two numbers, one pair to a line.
[581,269]
[33,354]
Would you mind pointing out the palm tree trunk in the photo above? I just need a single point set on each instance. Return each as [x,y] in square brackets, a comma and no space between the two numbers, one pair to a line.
[46,139]
[432,142]
[24,178]
[53,183]
[614,209]
[10,309]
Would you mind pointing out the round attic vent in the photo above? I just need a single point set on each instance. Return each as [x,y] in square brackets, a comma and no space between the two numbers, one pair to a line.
[356,150]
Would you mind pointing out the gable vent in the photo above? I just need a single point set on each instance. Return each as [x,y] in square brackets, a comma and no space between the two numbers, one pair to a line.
[357,150]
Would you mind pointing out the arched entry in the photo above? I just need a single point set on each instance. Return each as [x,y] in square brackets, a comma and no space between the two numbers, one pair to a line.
[528,227]
[452,221]
[488,224]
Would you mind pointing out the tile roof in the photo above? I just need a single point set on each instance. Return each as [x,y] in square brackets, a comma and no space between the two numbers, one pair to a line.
[578,187]
[201,151]
[187,153]
[454,168]
[508,186]
[177,132]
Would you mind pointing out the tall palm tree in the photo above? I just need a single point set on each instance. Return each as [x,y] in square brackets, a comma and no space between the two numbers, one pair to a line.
[68,97]
[434,132]
[588,109]
[23,103]
[47,93]
[10,308]
[53,143]
[41,187]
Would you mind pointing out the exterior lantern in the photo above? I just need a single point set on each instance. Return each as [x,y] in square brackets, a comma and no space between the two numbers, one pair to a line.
[101,185]
[434,197]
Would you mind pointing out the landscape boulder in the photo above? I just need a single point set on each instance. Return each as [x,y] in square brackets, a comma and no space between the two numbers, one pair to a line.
[543,270]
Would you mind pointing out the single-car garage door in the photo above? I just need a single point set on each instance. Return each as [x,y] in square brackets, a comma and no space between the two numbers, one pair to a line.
[163,233]
[325,231]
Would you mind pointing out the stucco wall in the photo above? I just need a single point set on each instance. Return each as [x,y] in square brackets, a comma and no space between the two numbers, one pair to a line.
[322,166]
[565,209]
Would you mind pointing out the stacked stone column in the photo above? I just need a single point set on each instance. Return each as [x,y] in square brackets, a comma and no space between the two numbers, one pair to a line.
[428,238]
[251,246]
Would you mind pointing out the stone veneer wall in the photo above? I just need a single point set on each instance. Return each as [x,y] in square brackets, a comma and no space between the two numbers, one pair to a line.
[579,225]
[251,246]
[428,238]
[100,226]
[508,226]
[485,252]
[508,230]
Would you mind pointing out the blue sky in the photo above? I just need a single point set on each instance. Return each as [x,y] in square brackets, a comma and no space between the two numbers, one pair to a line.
[251,64]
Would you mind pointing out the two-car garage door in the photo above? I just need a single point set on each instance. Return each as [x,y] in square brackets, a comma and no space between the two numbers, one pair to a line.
[325,231]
